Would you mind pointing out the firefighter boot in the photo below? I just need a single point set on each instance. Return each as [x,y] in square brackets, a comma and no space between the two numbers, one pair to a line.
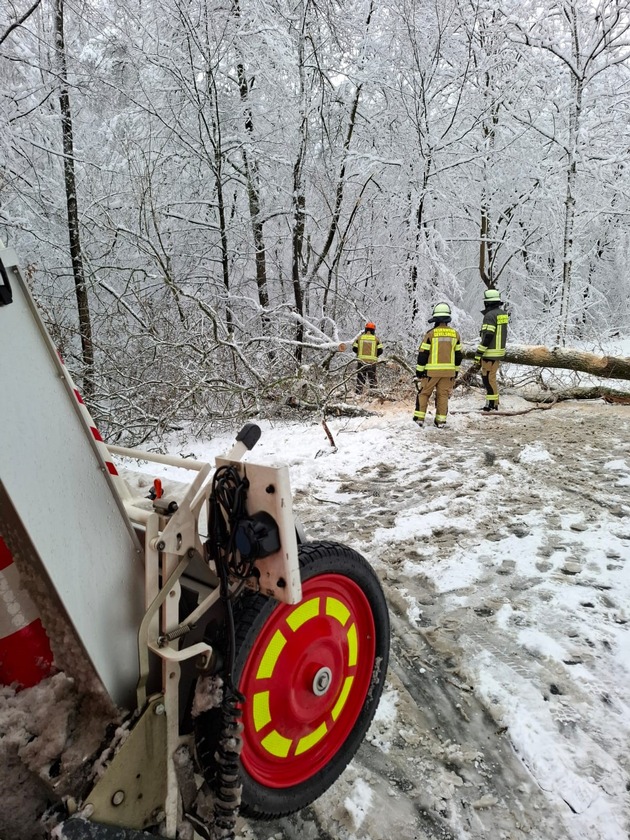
[488,406]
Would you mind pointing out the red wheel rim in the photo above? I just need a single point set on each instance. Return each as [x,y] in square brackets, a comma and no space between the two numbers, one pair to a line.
[305,681]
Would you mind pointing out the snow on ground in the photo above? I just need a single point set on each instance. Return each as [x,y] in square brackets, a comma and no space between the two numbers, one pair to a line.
[503,545]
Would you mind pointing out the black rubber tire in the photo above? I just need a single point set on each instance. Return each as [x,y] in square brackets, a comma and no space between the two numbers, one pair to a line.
[251,614]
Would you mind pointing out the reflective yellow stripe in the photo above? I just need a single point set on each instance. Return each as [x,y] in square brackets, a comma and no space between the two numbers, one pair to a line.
[345,691]
[424,346]
[488,328]
[309,741]
[440,336]
[352,645]
[338,610]
[270,657]
[303,613]
[276,744]
[260,710]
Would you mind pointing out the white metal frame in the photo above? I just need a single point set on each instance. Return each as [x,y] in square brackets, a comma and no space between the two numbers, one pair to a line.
[171,542]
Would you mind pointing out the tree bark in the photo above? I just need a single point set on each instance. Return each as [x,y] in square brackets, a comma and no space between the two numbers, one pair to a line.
[252,177]
[299,208]
[608,367]
[76,255]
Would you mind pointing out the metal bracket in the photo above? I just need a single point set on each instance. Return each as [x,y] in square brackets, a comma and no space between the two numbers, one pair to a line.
[270,492]
[132,790]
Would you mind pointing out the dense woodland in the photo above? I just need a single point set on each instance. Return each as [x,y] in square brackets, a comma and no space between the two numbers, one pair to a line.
[208,196]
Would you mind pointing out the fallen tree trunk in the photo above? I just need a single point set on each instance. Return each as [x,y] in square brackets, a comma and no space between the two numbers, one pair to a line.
[597,392]
[608,367]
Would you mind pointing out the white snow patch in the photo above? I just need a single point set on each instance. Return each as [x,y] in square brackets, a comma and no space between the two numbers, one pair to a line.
[532,453]
[359,802]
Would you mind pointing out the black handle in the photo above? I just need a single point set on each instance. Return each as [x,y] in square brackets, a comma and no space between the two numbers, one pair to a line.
[249,435]
[6,295]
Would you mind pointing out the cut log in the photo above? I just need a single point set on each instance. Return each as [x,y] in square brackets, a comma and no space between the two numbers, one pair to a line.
[596,392]
[607,367]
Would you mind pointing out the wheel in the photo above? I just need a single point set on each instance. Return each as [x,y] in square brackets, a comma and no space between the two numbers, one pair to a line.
[312,676]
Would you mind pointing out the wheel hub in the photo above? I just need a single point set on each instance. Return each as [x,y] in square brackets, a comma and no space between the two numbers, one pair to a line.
[322,681]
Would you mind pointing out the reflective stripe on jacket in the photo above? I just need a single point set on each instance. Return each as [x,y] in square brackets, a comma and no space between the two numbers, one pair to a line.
[493,334]
[367,347]
[440,352]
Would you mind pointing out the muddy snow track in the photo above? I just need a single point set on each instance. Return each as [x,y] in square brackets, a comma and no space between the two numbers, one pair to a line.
[495,539]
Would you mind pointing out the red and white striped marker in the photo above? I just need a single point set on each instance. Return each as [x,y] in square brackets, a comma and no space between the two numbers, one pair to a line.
[119,482]
[25,654]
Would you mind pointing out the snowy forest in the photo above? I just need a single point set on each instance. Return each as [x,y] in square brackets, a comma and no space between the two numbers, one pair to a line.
[209,196]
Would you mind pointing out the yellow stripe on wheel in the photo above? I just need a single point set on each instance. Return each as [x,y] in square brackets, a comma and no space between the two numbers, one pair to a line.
[270,657]
[311,739]
[260,710]
[353,646]
[338,610]
[276,744]
[300,615]
[345,691]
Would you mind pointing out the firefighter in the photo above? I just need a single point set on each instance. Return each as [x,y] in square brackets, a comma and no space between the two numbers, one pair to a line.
[439,358]
[368,348]
[491,347]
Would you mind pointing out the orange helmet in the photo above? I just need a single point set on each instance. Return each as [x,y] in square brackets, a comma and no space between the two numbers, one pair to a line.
[370,326]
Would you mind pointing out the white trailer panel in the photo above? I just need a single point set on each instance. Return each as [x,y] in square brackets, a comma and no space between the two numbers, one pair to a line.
[59,487]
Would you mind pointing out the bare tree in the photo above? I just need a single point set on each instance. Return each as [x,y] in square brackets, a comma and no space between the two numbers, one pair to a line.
[587,39]
[72,207]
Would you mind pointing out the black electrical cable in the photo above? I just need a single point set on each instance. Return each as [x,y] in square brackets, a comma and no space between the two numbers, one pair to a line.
[226,509]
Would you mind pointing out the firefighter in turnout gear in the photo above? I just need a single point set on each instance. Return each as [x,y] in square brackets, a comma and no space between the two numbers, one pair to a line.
[491,347]
[368,348]
[439,358]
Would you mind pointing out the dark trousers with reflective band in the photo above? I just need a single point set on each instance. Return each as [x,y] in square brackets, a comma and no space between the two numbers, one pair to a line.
[489,370]
[366,375]
[443,386]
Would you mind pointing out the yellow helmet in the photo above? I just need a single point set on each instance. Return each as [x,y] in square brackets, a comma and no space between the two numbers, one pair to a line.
[441,312]
[492,296]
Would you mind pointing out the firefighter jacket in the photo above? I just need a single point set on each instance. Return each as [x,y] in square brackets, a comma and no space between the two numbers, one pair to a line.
[368,348]
[493,334]
[440,352]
